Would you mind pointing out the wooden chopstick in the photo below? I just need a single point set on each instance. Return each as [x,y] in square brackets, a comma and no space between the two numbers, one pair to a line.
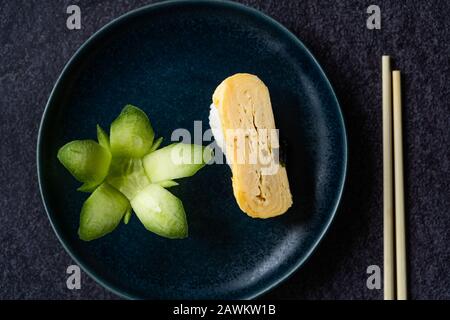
[400,245]
[388,209]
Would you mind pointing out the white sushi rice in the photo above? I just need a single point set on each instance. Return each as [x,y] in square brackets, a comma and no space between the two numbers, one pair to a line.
[216,127]
[217,130]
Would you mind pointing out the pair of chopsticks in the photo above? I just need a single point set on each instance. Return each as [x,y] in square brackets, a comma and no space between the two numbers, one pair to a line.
[393,188]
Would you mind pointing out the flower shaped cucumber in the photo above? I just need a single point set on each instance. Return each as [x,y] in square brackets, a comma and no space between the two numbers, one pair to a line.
[127,172]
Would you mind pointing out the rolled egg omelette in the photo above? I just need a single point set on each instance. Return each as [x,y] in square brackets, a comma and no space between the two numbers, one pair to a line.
[243,125]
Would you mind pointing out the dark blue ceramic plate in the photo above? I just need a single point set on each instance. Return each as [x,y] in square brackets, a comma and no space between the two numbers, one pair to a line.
[168,59]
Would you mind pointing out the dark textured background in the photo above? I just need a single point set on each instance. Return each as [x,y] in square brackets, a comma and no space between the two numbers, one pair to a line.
[35,45]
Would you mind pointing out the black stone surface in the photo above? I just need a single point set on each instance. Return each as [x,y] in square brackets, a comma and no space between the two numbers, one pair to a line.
[35,44]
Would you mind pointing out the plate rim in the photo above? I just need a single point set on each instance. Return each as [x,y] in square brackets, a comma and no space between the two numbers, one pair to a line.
[218,3]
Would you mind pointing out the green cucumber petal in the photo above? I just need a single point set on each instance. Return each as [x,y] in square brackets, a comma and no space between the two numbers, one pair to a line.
[88,187]
[161,212]
[131,133]
[167,183]
[101,212]
[86,160]
[103,138]
[127,216]
[128,176]
[175,161]
[156,144]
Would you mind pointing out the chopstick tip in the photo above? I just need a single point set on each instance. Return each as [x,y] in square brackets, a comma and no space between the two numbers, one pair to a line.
[396,75]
